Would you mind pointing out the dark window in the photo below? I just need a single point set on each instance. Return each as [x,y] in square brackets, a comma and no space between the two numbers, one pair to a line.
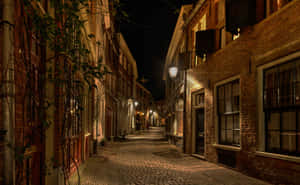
[239,13]
[205,42]
[282,108]
[229,113]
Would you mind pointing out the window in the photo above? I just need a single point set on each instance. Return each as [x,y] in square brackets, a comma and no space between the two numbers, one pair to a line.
[274,5]
[198,100]
[222,37]
[200,26]
[282,108]
[228,96]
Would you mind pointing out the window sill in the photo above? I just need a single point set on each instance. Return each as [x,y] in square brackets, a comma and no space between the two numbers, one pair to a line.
[198,156]
[227,147]
[278,156]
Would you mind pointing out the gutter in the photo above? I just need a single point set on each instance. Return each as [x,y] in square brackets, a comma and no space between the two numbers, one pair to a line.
[8,91]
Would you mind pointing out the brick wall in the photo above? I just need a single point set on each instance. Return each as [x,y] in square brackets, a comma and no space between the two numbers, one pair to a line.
[275,36]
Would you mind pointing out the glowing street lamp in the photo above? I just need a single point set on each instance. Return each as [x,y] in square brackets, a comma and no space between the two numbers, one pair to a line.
[173,71]
[136,103]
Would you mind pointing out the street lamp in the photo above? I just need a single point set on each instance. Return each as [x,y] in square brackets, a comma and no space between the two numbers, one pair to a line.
[173,71]
[136,103]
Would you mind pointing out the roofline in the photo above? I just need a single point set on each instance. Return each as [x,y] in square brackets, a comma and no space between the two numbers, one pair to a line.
[178,31]
[197,7]
[127,52]
[144,88]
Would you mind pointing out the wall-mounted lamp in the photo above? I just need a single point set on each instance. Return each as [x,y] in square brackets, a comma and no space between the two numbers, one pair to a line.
[173,71]
[136,103]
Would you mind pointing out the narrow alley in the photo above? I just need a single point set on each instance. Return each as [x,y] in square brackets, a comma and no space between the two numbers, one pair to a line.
[147,158]
[149,92]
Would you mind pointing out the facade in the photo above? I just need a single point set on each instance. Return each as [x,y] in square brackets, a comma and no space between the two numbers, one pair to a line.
[161,110]
[175,86]
[126,89]
[112,61]
[19,120]
[241,64]
[143,112]
[119,85]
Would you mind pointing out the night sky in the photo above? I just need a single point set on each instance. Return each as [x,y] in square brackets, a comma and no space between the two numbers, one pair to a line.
[148,33]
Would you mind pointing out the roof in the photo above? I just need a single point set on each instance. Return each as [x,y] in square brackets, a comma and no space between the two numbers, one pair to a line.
[127,52]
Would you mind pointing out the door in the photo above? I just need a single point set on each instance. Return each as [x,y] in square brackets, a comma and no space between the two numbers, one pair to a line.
[200,131]
[108,126]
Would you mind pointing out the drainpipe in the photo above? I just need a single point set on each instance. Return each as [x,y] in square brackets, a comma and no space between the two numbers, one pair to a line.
[8,90]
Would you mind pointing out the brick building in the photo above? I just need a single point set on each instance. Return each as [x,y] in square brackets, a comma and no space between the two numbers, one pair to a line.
[24,86]
[175,86]
[241,63]
[161,110]
[143,106]
[126,88]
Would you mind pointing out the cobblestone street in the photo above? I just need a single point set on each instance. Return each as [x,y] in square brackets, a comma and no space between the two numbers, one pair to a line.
[148,159]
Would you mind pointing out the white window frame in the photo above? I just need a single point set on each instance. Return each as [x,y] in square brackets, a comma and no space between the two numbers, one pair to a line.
[261,145]
[216,117]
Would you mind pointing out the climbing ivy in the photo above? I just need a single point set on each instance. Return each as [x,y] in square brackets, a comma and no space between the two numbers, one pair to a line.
[66,64]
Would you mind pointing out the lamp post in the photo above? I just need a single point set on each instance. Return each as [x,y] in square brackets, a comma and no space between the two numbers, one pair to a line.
[173,71]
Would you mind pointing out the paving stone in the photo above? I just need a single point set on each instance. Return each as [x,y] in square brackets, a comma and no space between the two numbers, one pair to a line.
[147,159]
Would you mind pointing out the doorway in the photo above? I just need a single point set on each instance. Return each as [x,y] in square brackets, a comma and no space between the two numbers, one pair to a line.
[199,123]
[198,118]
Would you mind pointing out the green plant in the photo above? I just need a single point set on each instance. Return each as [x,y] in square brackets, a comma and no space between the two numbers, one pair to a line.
[67,66]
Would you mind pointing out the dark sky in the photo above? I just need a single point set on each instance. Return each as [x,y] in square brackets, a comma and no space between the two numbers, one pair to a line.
[148,34]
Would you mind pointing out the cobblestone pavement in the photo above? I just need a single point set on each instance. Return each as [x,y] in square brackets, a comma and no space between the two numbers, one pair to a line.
[147,159]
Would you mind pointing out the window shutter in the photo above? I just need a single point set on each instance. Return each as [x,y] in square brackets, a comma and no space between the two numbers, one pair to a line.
[205,42]
[239,13]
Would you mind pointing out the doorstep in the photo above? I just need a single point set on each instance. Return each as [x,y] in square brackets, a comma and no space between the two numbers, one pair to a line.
[199,156]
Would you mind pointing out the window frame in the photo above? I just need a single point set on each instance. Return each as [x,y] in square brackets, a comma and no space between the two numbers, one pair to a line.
[260,151]
[218,117]
[281,108]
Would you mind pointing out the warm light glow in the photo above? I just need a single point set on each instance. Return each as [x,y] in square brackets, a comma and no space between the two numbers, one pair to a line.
[150,111]
[136,103]
[173,71]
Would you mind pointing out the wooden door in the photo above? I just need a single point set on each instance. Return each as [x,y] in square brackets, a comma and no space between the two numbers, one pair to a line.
[200,131]
[108,126]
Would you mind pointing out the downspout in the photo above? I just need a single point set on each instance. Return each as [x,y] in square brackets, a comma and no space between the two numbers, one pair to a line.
[8,90]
